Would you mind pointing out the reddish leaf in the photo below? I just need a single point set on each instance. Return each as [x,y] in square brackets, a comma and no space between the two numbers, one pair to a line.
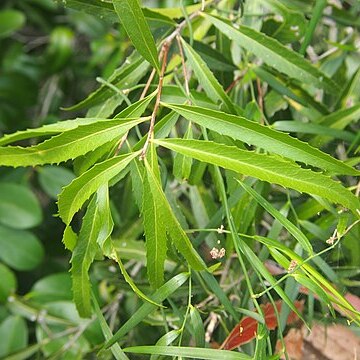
[245,331]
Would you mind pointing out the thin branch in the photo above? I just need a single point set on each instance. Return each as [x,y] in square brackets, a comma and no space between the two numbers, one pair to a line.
[148,83]
[164,50]
[187,89]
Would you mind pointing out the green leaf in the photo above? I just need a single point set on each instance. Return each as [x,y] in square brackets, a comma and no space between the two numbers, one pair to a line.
[8,282]
[10,21]
[69,145]
[46,130]
[159,296]
[315,18]
[174,229]
[52,179]
[129,74]
[308,269]
[182,164]
[262,136]
[310,128]
[115,349]
[206,78]
[82,258]
[19,207]
[288,225]
[13,334]
[129,280]
[274,54]
[134,22]
[54,287]
[155,234]
[189,352]
[105,220]
[265,168]
[198,327]
[75,194]
[20,249]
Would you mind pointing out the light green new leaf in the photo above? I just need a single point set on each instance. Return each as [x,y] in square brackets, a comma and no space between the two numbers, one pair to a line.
[79,190]
[66,146]
[262,136]
[206,78]
[288,225]
[82,258]
[174,229]
[134,22]
[159,296]
[265,168]
[155,234]
[274,54]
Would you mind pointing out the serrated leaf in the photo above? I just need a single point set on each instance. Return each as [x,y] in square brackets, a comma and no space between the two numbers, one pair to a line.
[206,78]
[155,234]
[274,54]
[79,190]
[134,22]
[265,168]
[82,258]
[46,130]
[175,231]
[69,145]
[262,136]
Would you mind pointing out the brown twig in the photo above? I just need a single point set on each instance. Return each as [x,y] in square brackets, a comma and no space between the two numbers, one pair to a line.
[164,50]
[230,87]
[183,67]
[148,83]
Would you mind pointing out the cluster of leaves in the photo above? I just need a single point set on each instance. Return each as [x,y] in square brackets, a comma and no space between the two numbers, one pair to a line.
[210,92]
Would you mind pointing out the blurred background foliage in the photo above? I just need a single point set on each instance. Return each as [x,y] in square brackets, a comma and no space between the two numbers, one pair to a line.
[50,58]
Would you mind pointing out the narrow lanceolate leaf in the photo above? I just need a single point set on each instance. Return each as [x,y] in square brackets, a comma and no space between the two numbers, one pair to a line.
[68,145]
[189,352]
[274,54]
[82,258]
[155,234]
[262,136]
[159,296]
[79,190]
[133,20]
[133,111]
[133,69]
[106,223]
[288,225]
[206,78]
[174,229]
[266,168]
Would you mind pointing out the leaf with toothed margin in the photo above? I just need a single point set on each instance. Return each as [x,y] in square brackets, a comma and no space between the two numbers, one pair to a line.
[274,54]
[68,145]
[262,136]
[80,189]
[265,167]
